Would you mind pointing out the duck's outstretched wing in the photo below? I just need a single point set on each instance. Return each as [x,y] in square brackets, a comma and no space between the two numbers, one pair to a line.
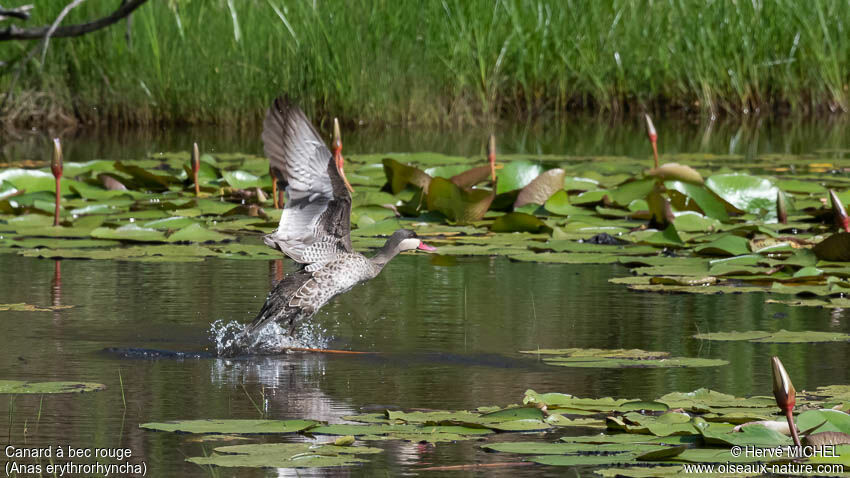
[316,222]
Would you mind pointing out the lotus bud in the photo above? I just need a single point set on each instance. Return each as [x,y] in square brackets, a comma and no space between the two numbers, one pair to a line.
[653,137]
[839,214]
[786,396]
[337,141]
[56,167]
[783,389]
[196,167]
[781,208]
[337,151]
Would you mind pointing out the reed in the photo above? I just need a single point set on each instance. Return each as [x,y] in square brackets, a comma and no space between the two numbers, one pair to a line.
[447,61]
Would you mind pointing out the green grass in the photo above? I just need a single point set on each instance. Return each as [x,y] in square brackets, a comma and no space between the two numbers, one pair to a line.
[439,61]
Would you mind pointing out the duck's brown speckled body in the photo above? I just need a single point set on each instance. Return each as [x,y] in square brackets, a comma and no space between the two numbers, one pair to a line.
[314,228]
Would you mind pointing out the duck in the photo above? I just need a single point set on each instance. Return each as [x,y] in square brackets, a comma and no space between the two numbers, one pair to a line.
[314,229]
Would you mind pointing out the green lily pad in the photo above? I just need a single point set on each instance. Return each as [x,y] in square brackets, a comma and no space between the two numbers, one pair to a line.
[285,455]
[400,175]
[669,237]
[584,460]
[538,448]
[21,387]
[747,193]
[461,206]
[834,248]
[704,399]
[231,427]
[129,232]
[824,420]
[707,202]
[753,435]
[518,222]
[600,358]
[197,233]
[559,203]
[23,307]
[357,430]
[517,175]
[727,245]
[243,180]
[780,337]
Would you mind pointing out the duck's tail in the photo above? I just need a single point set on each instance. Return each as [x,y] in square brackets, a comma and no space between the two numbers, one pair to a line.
[273,329]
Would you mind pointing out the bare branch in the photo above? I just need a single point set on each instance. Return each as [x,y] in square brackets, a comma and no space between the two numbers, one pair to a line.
[13,32]
[65,11]
[21,13]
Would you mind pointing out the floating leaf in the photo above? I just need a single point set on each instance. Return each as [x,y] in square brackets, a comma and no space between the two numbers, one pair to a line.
[559,203]
[600,358]
[824,420]
[726,245]
[358,430]
[20,387]
[627,192]
[747,193]
[782,336]
[23,307]
[834,248]
[243,180]
[705,199]
[516,175]
[541,188]
[197,233]
[461,206]
[231,427]
[285,455]
[400,175]
[129,232]
[518,222]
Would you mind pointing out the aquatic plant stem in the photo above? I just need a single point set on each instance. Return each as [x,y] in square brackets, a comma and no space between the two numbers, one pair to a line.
[275,197]
[56,168]
[491,156]
[789,415]
[196,167]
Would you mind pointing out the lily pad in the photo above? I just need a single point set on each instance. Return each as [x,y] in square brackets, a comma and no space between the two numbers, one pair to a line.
[747,193]
[780,337]
[518,222]
[461,206]
[285,455]
[231,427]
[129,232]
[21,387]
[197,233]
[600,358]
[541,188]
[517,175]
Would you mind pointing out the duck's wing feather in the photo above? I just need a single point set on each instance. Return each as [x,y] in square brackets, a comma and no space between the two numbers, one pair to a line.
[316,222]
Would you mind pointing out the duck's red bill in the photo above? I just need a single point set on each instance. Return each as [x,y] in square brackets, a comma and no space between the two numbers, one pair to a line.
[426,247]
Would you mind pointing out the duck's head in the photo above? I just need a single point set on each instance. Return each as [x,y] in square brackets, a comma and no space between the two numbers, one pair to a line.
[406,240]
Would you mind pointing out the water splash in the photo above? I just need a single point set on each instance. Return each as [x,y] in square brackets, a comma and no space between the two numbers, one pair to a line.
[233,338]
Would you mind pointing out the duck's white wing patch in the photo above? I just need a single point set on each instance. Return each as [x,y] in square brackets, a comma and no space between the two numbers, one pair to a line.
[315,223]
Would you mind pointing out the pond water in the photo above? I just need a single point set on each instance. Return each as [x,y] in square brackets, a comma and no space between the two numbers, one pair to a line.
[441,337]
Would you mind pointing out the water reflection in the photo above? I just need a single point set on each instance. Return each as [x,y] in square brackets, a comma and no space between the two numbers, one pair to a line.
[582,136]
